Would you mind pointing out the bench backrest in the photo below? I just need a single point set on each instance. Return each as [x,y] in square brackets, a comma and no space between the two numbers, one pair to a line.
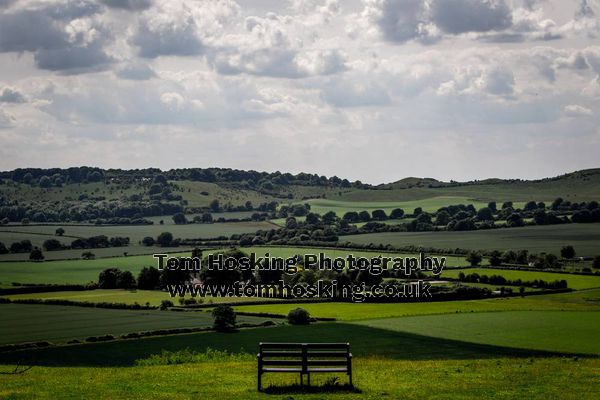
[304,354]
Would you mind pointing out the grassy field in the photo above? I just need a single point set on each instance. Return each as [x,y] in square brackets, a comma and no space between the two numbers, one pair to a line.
[154,297]
[540,330]
[573,281]
[502,378]
[575,301]
[340,207]
[33,322]
[83,271]
[536,239]
[70,271]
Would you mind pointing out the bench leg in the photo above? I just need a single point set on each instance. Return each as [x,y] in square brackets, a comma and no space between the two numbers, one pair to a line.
[259,381]
[308,379]
[301,379]
[350,379]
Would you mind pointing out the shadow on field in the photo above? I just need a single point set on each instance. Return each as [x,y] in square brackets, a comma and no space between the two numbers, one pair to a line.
[365,341]
[298,389]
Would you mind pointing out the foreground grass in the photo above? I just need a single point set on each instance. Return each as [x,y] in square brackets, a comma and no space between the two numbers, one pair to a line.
[541,330]
[581,300]
[375,378]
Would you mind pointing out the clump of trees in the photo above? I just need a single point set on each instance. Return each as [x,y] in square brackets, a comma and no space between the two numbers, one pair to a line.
[114,278]
[224,318]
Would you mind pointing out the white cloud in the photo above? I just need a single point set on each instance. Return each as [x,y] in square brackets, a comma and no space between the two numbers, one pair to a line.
[574,111]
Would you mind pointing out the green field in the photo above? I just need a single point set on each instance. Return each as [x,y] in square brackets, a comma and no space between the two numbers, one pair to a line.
[340,207]
[573,281]
[33,322]
[154,297]
[536,239]
[581,300]
[84,271]
[540,330]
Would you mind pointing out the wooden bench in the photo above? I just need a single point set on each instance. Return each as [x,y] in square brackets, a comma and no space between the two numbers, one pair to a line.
[304,358]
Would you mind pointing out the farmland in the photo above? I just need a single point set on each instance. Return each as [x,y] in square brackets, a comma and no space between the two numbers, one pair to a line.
[536,239]
[33,322]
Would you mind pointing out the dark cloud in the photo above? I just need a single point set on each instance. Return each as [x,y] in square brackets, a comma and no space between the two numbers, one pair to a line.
[130,5]
[43,31]
[8,95]
[461,16]
[72,59]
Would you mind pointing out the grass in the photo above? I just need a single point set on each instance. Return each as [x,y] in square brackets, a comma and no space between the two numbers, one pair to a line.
[70,271]
[500,378]
[584,300]
[573,281]
[154,297]
[540,330]
[536,239]
[83,271]
[33,322]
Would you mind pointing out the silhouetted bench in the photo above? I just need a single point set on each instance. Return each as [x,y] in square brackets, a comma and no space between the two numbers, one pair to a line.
[304,358]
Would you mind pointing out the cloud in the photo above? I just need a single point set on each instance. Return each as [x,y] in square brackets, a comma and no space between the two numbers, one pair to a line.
[6,120]
[461,16]
[575,111]
[135,72]
[8,95]
[62,36]
[129,5]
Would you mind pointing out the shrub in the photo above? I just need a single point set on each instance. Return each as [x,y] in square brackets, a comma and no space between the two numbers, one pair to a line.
[164,304]
[298,316]
[474,258]
[224,318]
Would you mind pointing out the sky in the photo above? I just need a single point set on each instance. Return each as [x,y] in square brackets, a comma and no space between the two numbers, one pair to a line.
[371,90]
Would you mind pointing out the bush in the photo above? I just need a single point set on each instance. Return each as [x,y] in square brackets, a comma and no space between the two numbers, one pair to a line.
[298,316]
[224,318]
[164,304]
[474,258]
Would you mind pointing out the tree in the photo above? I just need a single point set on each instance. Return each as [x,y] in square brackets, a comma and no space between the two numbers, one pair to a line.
[88,255]
[108,278]
[351,216]
[291,223]
[45,182]
[364,216]
[514,220]
[495,258]
[36,254]
[215,206]
[59,232]
[329,217]
[442,218]
[417,211]
[179,219]
[207,218]
[507,204]
[52,244]
[492,206]
[379,215]
[3,249]
[474,258]
[312,218]
[125,280]
[165,239]
[530,206]
[298,316]
[148,241]
[148,278]
[485,214]
[165,304]
[567,252]
[223,318]
[397,213]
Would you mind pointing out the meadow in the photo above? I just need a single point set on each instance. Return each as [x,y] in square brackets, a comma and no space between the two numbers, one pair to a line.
[538,330]
[573,281]
[34,322]
[536,239]
[574,301]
